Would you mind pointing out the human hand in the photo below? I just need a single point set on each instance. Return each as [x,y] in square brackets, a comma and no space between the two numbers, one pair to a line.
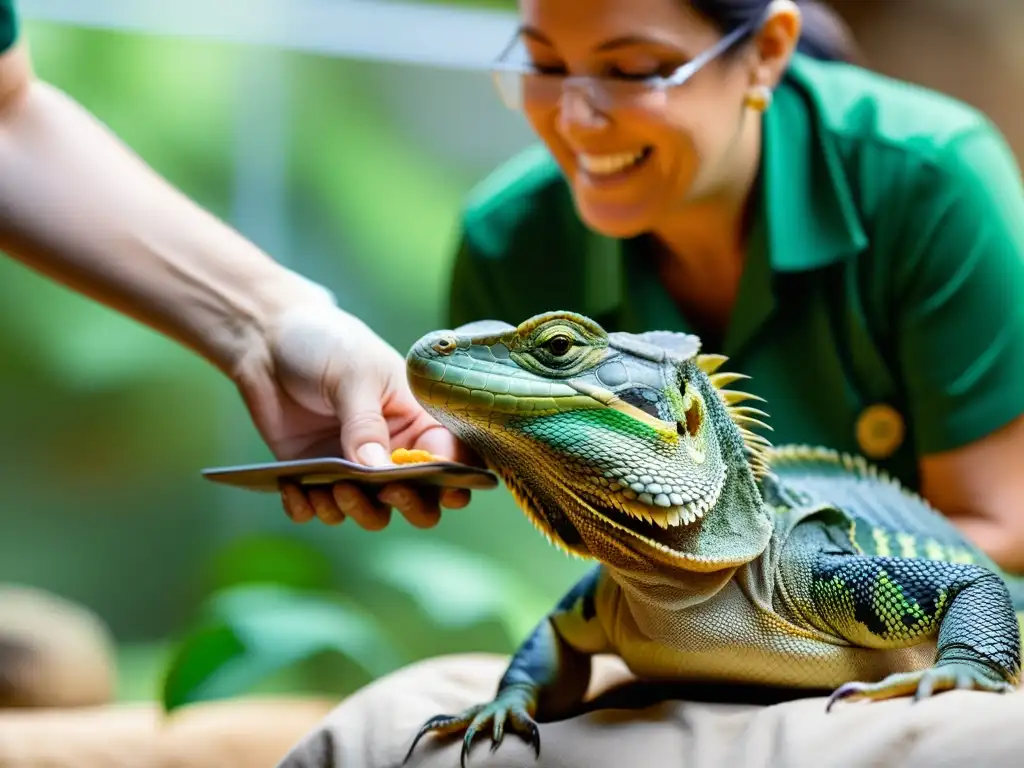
[322,383]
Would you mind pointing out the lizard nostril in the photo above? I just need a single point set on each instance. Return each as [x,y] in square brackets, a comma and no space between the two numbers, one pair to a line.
[445,345]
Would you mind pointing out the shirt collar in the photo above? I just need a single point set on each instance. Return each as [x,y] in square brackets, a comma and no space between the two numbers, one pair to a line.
[812,220]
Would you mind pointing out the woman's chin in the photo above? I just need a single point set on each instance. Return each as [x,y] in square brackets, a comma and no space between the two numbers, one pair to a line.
[615,220]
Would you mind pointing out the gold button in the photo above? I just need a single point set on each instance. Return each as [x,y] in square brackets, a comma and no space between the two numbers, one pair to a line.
[880,431]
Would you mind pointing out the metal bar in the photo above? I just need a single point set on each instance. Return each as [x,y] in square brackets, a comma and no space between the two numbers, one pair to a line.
[262,115]
[259,210]
[431,35]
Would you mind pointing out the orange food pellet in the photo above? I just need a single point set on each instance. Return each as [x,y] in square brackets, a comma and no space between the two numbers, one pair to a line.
[406,456]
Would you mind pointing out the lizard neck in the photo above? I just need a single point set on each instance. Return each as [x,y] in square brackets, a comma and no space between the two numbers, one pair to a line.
[735,531]
[665,592]
[655,591]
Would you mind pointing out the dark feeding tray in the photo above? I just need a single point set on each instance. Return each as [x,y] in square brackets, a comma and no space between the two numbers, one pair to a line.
[327,471]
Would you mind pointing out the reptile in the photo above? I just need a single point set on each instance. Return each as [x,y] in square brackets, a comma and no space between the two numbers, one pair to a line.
[716,556]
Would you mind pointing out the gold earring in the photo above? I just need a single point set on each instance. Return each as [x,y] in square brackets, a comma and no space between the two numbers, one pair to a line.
[759,97]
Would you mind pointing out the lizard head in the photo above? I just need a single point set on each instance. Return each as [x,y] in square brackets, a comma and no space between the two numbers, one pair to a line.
[617,446]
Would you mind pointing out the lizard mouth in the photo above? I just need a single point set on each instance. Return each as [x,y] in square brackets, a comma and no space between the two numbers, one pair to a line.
[640,532]
[655,526]
[651,523]
[645,505]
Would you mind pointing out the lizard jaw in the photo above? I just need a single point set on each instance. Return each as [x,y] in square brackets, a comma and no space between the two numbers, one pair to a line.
[674,547]
[673,516]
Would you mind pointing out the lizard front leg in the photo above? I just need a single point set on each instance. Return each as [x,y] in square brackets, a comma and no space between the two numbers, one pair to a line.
[549,673]
[891,602]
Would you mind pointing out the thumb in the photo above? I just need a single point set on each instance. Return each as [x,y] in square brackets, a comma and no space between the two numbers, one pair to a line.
[365,436]
[438,441]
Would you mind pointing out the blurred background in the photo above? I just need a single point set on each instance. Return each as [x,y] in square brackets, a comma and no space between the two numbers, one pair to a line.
[342,137]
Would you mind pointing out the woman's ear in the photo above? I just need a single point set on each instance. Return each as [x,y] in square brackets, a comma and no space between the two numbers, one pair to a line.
[775,42]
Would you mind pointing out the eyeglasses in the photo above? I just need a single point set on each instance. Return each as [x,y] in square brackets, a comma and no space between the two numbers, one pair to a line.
[518,82]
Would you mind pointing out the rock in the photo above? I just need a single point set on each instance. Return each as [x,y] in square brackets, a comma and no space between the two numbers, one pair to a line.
[53,653]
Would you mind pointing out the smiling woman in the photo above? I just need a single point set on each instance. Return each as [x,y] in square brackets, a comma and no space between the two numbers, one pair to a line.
[719,167]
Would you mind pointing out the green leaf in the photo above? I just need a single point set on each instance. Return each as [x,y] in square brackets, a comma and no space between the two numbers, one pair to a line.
[458,588]
[253,631]
[271,559]
[200,668]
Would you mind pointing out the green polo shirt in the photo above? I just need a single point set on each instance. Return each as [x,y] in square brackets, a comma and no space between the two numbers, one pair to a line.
[881,310]
[8,25]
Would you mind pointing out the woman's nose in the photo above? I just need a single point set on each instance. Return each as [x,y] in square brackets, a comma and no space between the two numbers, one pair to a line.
[577,110]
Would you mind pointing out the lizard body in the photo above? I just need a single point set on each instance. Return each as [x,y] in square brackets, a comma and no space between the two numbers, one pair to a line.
[718,557]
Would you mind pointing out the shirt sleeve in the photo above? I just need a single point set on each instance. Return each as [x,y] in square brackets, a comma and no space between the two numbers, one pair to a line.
[960,294]
[515,260]
[8,25]
[472,291]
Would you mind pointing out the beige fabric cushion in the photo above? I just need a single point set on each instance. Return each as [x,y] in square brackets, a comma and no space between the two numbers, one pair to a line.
[374,727]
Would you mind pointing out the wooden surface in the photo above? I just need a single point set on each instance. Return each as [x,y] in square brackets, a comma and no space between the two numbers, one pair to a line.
[248,733]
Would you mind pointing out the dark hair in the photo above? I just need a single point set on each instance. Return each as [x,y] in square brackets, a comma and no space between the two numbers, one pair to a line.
[824,36]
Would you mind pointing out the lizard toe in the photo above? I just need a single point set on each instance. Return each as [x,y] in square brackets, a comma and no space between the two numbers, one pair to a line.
[893,686]
[845,691]
[498,716]
[922,684]
[443,725]
[959,676]
[502,715]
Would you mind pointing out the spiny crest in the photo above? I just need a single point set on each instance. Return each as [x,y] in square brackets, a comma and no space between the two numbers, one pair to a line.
[744,417]
[858,465]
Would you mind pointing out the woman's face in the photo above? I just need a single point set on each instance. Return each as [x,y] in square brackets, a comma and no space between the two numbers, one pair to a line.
[632,162]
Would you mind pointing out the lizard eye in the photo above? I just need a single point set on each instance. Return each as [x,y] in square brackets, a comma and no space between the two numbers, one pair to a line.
[559,345]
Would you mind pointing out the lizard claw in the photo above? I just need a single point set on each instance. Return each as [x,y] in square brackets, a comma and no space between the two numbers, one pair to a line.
[501,713]
[441,725]
[923,683]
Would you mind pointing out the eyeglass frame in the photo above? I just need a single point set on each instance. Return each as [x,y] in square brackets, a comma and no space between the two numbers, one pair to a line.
[678,77]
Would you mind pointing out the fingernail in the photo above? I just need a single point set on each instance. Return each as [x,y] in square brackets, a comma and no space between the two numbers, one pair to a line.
[373,455]
[345,498]
[394,498]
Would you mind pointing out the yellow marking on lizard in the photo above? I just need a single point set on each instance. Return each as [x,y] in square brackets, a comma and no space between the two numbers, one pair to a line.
[908,545]
[933,550]
[666,431]
[882,544]
[853,537]
[960,555]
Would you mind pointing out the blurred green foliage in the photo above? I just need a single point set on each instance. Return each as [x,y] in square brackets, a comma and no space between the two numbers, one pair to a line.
[104,425]
[275,619]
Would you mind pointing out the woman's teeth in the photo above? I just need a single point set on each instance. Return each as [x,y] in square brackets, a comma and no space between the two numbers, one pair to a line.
[605,165]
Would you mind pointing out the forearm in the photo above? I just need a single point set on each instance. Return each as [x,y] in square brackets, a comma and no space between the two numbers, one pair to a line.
[552,667]
[981,489]
[77,205]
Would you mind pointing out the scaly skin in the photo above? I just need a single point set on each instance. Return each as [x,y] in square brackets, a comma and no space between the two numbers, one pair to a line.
[717,556]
